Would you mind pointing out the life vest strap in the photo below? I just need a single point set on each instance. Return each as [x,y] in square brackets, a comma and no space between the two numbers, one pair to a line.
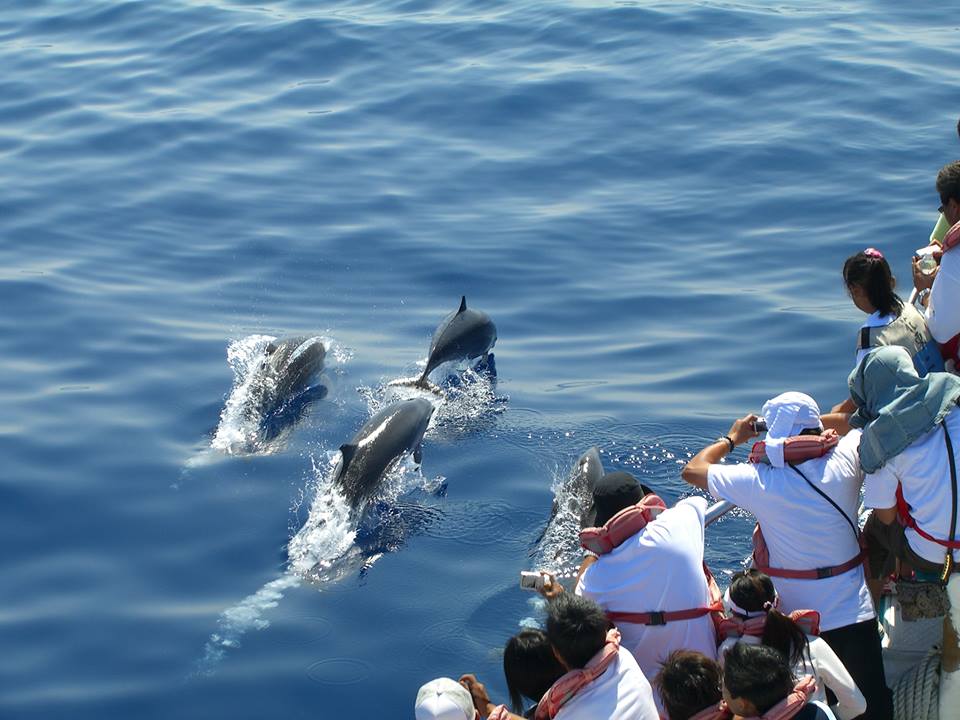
[907,520]
[657,617]
[815,574]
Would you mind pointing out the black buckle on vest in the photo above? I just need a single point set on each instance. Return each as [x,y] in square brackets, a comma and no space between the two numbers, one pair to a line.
[657,618]
[824,572]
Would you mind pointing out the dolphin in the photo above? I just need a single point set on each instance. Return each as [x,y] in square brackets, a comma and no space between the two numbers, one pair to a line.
[463,334]
[286,372]
[577,490]
[571,506]
[396,429]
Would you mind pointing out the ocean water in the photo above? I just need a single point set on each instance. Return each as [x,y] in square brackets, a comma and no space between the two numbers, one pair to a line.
[652,201]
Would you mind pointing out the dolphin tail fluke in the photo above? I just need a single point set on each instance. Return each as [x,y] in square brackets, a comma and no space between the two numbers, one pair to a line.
[422,384]
[425,384]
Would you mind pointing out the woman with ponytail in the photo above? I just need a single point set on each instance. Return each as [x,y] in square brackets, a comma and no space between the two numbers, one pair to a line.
[891,321]
[753,617]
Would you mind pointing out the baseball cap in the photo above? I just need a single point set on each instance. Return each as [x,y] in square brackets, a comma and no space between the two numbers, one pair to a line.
[444,699]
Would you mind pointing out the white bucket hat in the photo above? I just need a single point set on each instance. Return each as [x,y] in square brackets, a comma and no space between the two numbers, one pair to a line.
[786,415]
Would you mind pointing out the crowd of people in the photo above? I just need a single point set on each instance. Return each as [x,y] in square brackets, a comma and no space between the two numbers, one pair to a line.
[647,634]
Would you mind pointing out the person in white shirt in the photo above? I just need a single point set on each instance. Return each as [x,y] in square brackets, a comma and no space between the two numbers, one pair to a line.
[658,570]
[807,513]
[911,446]
[943,300]
[752,605]
[603,679]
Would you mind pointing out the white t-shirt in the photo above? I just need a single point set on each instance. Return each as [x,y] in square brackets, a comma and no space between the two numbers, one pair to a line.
[827,670]
[924,472]
[875,319]
[943,309]
[658,569]
[803,531]
[621,693]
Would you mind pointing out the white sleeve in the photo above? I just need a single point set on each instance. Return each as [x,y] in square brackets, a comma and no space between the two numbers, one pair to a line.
[739,484]
[880,488]
[850,701]
[943,309]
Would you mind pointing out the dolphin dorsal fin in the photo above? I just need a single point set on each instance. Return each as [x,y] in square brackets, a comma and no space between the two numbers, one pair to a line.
[347,450]
[463,304]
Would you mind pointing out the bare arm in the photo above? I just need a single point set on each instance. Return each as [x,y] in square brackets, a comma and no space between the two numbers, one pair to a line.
[695,471]
[838,420]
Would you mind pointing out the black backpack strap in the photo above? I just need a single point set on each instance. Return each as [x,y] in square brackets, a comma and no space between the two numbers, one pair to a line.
[864,340]
[821,493]
[948,560]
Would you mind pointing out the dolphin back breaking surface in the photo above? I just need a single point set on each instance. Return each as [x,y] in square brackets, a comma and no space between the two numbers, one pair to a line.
[464,334]
[274,380]
[384,438]
[558,546]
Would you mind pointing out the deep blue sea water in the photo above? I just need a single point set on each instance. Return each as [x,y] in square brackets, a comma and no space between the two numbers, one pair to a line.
[652,200]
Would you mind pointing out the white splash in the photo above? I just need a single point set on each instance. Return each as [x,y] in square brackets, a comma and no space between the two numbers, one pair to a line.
[237,430]
[322,551]
[559,550]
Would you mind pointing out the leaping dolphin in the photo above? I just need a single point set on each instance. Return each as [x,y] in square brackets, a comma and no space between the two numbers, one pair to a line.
[463,335]
[288,368]
[396,429]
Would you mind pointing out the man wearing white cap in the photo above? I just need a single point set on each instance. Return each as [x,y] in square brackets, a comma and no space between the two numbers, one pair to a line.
[806,508]
[444,699]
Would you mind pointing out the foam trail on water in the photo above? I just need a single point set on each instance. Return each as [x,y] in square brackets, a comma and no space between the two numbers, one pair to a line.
[246,615]
[321,552]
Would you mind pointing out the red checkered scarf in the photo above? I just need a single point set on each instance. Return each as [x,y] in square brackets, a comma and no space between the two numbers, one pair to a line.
[576,680]
[784,710]
[952,238]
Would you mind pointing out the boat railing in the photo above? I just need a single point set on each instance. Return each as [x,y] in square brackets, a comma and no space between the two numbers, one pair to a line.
[717,511]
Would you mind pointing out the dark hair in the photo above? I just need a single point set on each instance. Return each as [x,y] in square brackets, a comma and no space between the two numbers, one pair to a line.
[752,590]
[577,628]
[689,682]
[529,666]
[757,673]
[872,273]
[948,181]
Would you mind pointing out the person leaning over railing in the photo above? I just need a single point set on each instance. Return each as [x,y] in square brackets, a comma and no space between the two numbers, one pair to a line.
[636,537]
[910,449]
[807,513]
